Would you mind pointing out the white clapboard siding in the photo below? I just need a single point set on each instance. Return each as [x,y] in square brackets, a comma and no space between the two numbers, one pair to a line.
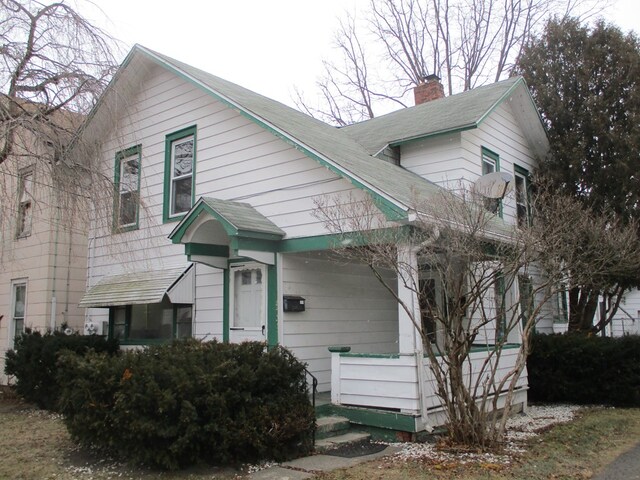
[345,305]
[235,160]
[376,382]
[209,303]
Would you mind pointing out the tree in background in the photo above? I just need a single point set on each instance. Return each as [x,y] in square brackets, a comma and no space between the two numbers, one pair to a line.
[585,83]
[465,42]
[55,65]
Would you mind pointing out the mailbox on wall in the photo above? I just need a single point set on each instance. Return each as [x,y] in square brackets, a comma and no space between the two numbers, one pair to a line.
[293,303]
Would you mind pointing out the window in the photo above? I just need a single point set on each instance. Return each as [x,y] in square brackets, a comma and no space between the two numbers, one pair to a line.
[490,164]
[526,298]
[501,312]
[563,306]
[149,323]
[127,186]
[18,308]
[25,204]
[180,160]
[522,187]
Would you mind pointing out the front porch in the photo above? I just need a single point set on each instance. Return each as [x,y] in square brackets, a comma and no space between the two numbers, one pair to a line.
[399,391]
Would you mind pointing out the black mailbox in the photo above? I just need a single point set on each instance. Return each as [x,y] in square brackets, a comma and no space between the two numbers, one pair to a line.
[293,303]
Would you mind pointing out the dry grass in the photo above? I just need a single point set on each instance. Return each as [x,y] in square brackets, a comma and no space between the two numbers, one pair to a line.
[576,450]
[36,446]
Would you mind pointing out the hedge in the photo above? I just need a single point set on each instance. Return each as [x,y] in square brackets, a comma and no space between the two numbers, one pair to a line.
[585,369]
[176,405]
[33,362]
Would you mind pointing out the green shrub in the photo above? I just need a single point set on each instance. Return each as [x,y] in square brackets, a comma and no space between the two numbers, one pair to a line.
[33,362]
[188,402]
[585,369]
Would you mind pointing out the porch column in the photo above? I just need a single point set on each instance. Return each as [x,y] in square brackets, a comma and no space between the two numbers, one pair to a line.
[409,338]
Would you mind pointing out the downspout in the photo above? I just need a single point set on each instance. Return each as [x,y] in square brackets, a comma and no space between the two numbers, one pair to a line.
[52,323]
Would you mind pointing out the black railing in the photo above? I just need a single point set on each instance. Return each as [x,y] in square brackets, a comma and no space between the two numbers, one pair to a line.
[314,390]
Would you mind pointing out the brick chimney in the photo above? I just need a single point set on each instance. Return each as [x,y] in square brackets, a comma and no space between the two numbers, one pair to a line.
[432,89]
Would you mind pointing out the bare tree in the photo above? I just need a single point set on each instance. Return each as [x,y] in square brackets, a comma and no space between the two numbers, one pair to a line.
[55,65]
[465,42]
[482,286]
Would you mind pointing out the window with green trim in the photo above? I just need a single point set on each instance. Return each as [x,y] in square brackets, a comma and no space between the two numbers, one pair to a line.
[150,323]
[179,172]
[522,192]
[491,163]
[25,202]
[127,187]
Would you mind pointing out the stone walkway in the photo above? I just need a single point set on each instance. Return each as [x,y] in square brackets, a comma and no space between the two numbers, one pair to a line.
[307,467]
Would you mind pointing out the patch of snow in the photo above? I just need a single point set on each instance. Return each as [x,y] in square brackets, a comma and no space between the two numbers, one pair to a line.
[520,428]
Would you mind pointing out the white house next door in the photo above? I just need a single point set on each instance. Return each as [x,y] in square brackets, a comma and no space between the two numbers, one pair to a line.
[247,302]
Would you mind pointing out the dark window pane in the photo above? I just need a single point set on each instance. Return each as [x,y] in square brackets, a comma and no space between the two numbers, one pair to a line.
[128,208]
[184,322]
[181,195]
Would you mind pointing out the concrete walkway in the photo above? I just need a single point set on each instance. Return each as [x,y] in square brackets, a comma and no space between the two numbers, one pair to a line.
[307,467]
[625,467]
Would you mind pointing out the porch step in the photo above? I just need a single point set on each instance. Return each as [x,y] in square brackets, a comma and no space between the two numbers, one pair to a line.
[331,426]
[340,440]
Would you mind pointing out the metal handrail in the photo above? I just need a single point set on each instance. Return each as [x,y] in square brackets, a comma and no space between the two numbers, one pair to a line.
[314,390]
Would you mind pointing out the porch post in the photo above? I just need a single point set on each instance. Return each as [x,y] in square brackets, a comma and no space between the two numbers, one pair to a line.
[409,338]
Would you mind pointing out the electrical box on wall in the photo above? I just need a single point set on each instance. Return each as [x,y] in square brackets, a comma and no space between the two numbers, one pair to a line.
[293,303]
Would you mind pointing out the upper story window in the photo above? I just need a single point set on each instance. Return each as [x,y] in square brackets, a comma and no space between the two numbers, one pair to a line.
[522,186]
[127,186]
[25,203]
[490,164]
[180,161]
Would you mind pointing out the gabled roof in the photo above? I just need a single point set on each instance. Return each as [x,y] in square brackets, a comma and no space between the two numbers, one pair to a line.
[449,114]
[394,188]
[237,219]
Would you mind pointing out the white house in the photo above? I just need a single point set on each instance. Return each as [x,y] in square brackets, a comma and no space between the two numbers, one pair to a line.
[213,233]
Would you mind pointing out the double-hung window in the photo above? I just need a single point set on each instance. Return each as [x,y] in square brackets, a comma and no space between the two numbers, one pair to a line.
[522,196]
[490,164]
[25,203]
[180,161]
[18,308]
[127,186]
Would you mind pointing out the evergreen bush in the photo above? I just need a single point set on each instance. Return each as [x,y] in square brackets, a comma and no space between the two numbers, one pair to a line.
[33,362]
[188,402]
[585,369]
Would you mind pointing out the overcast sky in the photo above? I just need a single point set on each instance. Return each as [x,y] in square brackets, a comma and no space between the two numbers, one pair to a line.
[268,46]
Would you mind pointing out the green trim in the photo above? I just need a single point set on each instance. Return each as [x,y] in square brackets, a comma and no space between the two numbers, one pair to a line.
[206,249]
[503,98]
[239,243]
[394,211]
[272,305]
[225,305]
[438,133]
[371,355]
[169,140]
[339,349]
[333,241]
[121,155]
[377,418]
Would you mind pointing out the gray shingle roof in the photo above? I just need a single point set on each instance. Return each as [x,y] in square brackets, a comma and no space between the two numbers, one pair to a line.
[243,216]
[461,111]
[328,143]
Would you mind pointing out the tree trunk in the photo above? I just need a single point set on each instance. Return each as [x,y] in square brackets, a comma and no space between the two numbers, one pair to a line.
[583,302]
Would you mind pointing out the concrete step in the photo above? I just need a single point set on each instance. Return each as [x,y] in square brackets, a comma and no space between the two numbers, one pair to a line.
[340,440]
[331,426]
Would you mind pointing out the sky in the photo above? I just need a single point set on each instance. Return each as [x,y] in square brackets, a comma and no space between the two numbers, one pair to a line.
[268,46]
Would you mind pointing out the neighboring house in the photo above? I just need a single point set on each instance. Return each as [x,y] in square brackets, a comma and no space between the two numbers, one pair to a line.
[213,233]
[43,254]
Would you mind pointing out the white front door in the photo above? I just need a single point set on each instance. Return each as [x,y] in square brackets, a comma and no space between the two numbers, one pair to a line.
[247,302]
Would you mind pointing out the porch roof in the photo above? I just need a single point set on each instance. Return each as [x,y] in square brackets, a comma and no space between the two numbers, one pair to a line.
[237,219]
[136,288]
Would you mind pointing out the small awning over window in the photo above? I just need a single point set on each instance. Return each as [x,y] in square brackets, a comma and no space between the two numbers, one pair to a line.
[142,288]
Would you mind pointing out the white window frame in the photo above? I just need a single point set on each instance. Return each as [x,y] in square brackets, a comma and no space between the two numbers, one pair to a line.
[19,282]
[122,158]
[519,175]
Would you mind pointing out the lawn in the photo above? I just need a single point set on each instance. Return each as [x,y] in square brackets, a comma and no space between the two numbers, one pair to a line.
[35,445]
